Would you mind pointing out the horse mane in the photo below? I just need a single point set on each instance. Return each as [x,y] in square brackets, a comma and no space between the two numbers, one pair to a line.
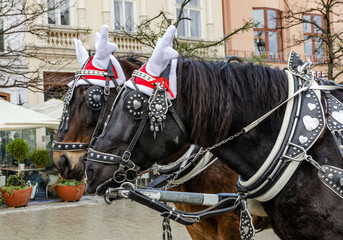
[132,58]
[217,93]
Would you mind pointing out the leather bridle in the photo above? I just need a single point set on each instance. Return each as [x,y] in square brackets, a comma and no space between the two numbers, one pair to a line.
[127,169]
[104,92]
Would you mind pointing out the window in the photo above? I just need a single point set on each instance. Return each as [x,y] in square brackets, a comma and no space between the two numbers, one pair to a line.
[59,12]
[313,43]
[189,28]
[124,15]
[267,33]
[56,84]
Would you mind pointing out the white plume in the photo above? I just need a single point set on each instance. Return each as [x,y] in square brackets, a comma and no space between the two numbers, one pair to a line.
[81,52]
[162,53]
[103,48]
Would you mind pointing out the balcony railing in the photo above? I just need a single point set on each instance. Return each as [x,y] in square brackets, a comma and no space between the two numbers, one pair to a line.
[126,44]
[60,37]
[275,57]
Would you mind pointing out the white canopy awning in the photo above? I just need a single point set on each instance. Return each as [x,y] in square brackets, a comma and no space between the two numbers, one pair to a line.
[53,108]
[15,117]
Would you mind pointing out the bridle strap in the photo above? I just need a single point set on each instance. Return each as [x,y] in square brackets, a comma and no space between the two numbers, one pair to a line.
[108,158]
[95,156]
[71,146]
[178,121]
[110,75]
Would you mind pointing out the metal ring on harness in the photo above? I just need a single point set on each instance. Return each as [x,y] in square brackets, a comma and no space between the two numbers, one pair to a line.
[131,174]
[119,176]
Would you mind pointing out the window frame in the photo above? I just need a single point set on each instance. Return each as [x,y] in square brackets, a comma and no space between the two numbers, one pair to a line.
[266,31]
[135,16]
[194,8]
[58,14]
[313,38]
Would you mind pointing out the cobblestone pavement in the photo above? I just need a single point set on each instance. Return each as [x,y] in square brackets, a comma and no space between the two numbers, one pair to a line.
[89,218]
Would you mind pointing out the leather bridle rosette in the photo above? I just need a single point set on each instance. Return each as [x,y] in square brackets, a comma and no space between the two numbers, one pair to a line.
[127,170]
[135,105]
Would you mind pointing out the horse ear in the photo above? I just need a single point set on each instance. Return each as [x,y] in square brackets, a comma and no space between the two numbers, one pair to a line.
[162,53]
[81,52]
[103,48]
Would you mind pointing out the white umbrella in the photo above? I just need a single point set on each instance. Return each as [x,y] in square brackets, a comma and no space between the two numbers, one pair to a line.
[53,108]
[15,117]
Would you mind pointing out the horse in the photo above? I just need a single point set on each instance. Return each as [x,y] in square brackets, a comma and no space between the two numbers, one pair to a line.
[83,121]
[70,164]
[219,107]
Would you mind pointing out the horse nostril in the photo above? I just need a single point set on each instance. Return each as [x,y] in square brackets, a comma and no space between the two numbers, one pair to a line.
[89,173]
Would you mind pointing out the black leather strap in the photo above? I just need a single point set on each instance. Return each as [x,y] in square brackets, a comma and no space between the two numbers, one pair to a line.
[229,202]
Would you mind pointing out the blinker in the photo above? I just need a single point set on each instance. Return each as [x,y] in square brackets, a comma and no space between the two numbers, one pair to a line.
[135,105]
[93,97]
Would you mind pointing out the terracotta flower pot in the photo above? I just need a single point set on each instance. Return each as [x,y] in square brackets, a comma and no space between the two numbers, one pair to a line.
[70,193]
[19,198]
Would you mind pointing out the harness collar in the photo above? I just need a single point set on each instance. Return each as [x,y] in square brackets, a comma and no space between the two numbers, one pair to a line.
[303,123]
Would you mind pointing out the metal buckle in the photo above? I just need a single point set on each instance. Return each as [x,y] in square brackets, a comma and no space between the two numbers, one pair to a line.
[128,154]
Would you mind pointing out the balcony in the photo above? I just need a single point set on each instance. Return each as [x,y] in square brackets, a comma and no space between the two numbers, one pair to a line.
[127,44]
[58,37]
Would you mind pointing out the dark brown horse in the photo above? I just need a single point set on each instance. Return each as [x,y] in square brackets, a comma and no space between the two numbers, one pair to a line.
[216,100]
[81,126]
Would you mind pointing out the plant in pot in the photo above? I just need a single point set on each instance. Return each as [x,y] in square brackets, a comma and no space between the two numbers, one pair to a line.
[40,157]
[16,193]
[19,149]
[70,189]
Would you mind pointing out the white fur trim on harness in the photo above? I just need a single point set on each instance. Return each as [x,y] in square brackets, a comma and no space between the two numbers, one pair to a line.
[172,82]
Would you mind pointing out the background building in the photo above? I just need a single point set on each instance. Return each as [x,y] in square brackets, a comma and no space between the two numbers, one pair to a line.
[54,64]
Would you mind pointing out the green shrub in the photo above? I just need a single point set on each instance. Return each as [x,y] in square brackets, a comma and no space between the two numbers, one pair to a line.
[18,148]
[40,157]
[14,182]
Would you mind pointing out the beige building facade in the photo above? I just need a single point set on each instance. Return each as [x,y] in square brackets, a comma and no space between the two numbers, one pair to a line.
[85,17]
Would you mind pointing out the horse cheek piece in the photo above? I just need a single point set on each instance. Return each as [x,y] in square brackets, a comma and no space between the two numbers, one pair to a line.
[158,108]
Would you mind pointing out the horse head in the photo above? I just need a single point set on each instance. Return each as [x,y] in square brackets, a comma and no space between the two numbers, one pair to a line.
[85,104]
[132,107]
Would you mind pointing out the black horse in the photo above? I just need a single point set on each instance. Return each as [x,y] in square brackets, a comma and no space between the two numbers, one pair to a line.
[216,100]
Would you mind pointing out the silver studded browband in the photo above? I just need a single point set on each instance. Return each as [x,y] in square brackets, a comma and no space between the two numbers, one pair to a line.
[143,75]
[90,72]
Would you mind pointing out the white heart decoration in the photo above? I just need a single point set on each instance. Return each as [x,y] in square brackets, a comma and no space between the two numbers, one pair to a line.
[245,229]
[158,107]
[311,106]
[338,116]
[310,123]
[302,139]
